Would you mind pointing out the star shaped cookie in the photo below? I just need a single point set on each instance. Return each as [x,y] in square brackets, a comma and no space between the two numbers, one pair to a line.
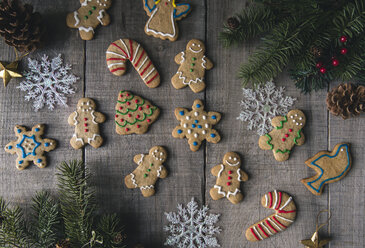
[196,125]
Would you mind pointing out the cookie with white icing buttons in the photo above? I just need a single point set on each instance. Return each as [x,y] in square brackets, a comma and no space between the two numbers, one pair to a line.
[150,168]
[229,177]
[287,132]
[89,16]
[193,64]
[30,146]
[86,121]
[163,15]
[196,125]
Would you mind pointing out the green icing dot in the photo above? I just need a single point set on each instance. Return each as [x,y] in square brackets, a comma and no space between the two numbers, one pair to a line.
[193,58]
[191,70]
[192,64]
[148,169]
[90,12]
[145,175]
[151,164]
[86,17]
[94,8]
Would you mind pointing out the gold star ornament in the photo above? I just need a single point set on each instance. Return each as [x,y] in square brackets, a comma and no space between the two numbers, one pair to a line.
[315,241]
[9,71]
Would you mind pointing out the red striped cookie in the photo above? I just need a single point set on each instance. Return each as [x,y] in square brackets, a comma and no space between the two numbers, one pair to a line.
[121,50]
[284,216]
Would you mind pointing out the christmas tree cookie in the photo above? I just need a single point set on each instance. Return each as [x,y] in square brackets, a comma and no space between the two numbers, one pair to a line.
[196,125]
[133,114]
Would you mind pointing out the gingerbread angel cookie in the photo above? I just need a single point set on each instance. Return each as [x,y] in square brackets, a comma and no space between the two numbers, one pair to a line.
[30,146]
[229,177]
[89,16]
[163,15]
[86,121]
[287,132]
[193,64]
[150,168]
[196,125]
[329,166]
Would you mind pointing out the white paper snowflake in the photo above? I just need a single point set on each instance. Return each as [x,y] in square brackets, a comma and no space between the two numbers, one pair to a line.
[262,104]
[192,227]
[48,82]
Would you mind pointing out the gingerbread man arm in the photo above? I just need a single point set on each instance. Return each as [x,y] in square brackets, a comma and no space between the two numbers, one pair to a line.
[179,58]
[276,121]
[99,117]
[215,170]
[71,119]
[300,139]
[181,10]
[162,172]
[138,158]
[149,6]
[105,19]
[207,63]
[243,175]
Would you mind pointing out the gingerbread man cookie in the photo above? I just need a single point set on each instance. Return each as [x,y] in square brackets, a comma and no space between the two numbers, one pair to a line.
[193,64]
[30,146]
[287,133]
[89,16]
[229,177]
[163,15]
[86,121]
[284,216]
[196,125]
[150,168]
[329,166]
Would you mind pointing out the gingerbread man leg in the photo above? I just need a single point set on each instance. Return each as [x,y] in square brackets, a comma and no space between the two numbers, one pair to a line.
[70,19]
[76,143]
[214,193]
[96,142]
[235,198]
[87,34]
[177,81]
[197,87]
[281,156]
[147,191]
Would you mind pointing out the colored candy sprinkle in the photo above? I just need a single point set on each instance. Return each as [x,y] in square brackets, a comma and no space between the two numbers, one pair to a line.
[39,160]
[148,106]
[230,172]
[120,108]
[138,116]
[195,143]
[151,164]
[179,131]
[116,116]
[196,121]
[181,112]
[86,130]
[19,130]
[198,105]
[193,125]
[10,147]
[212,135]
[128,94]
[136,100]
[193,58]
[192,64]
[290,130]
[199,126]
[229,178]
[148,169]
[46,144]
[140,108]
[121,95]
[148,120]
[121,120]
[283,139]
[37,129]
[129,115]
[128,103]
[90,12]
[94,8]
[85,119]
[86,17]
[228,183]
[85,124]
[127,129]
[145,175]
[20,162]
[191,70]
[138,126]
[286,135]
[214,117]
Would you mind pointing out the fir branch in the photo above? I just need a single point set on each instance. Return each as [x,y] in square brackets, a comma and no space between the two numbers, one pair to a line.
[45,220]
[77,202]
[110,229]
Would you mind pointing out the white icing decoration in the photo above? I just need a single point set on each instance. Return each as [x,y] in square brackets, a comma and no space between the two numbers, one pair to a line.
[195,51]
[85,2]
[182,57]
[111,65]
[76,18]
[189,131]
[188,117]
[116,54]
[220,171]
[204,62]
[149,73]
[195,135]
[275,224]
[219,190]
[148,29]
[144,61]
[265,200]
[204,117]
[206,126]
[230,164]
[92,114]
[291,116]
[234,193]
[204,132]
[197,80]
[234,159]
[286,203]
[76,115]
[267,229]
[147,187]
[196,113]
[78,139]
[185,125]
[239,175]
[283,218]
[100,16]
[86,29]
[276,199]
[93,138]
[135,54]
[159,171]
[139,162]
[126,48]
[258,234]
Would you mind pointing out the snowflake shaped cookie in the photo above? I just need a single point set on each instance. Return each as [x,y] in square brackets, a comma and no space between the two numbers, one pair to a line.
[263,104]
[30,146]
[196,125]
[192,227]
[48,82]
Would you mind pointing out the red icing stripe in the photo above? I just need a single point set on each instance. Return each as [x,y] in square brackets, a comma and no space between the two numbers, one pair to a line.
[279,201]
[118,69]
[139,59]
[285,212]
[278,222]
[120,49]
[115,59]
[267,222]
[131,48]
[149,81]
[270,195]
[262,230]
[254,234]
[145,69]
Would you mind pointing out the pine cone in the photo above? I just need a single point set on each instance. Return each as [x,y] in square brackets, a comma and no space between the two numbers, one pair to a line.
[346,100]
[316,51]
[63,244]
[20,27]
[233,23]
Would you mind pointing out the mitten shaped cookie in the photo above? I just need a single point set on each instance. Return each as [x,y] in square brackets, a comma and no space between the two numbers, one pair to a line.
[163,15]
[229,177]
[287,132]
[89,16]
[150,168]
[30,146]
[193,64]
[86,121]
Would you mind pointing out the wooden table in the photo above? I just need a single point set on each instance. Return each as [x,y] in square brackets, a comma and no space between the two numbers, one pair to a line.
[189,171]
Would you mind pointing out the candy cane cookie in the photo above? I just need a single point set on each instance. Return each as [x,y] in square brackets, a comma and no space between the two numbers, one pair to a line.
[121,50]
[284,216]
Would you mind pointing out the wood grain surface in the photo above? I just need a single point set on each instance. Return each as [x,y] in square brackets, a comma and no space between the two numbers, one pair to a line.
[189,172]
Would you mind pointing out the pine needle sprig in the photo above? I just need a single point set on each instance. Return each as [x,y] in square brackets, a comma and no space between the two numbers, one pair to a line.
[109,227]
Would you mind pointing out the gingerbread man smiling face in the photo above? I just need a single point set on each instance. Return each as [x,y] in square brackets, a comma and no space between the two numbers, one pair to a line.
[196,47]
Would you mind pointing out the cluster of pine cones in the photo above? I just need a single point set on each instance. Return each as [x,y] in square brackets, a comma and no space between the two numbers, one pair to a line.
[20,27]
[346,100]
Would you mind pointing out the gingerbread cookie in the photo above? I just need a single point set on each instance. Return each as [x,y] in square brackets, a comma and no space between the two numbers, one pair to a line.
[89,16]
[196,125]
[30,146]
[284,216]
[193,64]
[150,168]
[121,50]
[163,15]
[133,114]
[287,132]
[229,177]
[329,166]
[86,121]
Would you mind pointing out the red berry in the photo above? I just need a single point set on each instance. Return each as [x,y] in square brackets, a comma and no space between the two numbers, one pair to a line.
[343,39]
[319,65]
[335,62]
[323,70]
[343,51]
